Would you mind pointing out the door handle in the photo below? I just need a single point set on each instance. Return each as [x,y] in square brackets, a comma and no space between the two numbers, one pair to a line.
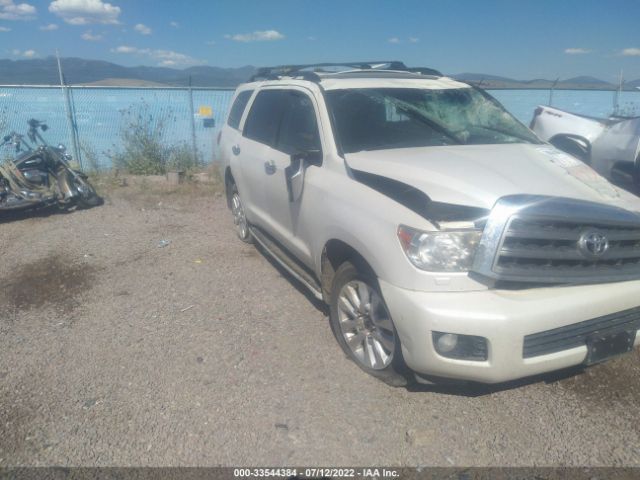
[236,149]
[270,167]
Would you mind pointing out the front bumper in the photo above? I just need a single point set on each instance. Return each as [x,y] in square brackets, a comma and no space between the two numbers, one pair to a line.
[504,318]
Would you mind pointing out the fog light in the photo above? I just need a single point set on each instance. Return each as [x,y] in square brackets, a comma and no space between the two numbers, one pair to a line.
[461,347]
[447,342]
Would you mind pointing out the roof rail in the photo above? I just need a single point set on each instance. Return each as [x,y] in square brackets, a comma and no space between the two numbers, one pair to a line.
[308,71]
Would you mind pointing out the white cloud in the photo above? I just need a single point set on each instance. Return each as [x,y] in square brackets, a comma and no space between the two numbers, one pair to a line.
[311,39]
[165,58]
[576,51]
[84,12]
[5,29]
[49,28]
[174,24]
[630,52]
[124,49]
[26,53]
[394,40]
[414,39]
[16,11]
[90,37]
[142,29]
[210,42]
[257,36]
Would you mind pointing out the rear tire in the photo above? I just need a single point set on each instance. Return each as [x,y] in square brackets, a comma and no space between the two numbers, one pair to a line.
[363,327]
[239,217]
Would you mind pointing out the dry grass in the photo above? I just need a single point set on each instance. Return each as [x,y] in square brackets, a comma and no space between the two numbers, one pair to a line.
[150,190]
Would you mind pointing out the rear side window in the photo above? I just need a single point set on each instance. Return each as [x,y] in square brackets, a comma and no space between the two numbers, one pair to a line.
[235,114]
[299,129]
[265,116]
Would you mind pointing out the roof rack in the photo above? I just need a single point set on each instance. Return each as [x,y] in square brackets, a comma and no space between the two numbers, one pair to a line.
[310,71]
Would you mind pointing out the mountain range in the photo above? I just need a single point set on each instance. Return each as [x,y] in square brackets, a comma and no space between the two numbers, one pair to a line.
[577,83]
[78,71]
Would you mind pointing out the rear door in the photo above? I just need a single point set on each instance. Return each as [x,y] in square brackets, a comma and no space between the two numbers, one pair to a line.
[259,136]
[231,136]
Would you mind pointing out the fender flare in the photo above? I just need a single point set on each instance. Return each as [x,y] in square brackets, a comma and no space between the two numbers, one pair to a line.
[581,146]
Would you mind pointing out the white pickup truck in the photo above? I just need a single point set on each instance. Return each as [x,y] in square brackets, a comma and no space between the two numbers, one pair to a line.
[611,146]
[447,239]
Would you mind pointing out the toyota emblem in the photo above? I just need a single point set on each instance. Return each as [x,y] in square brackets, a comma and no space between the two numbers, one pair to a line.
[593,243]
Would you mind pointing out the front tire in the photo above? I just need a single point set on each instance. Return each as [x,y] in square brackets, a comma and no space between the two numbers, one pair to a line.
[87,195]
[363,327]
[239,217]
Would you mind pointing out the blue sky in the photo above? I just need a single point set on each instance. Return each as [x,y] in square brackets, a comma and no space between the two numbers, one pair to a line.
[521,39]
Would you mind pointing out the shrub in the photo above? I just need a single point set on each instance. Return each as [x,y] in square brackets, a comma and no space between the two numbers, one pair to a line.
[144,151]
[90,157]
[181,158]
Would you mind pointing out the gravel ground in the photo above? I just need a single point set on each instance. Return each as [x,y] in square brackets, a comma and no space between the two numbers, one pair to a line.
[115,351]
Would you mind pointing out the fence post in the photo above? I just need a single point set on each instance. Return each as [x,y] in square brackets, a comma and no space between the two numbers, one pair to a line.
[194,145]
[72,124]
[551,91]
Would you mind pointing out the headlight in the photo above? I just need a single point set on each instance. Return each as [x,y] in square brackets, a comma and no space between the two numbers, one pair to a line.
[442,251]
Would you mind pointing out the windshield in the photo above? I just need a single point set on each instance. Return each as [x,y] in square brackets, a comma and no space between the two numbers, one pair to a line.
[380,118]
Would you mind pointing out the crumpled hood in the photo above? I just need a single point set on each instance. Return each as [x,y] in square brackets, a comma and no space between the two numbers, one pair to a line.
[478,175]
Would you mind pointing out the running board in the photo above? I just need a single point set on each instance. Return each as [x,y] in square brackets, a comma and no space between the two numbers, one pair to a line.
[287,262]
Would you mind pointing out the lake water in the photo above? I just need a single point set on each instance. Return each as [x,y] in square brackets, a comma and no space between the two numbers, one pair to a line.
[102,113]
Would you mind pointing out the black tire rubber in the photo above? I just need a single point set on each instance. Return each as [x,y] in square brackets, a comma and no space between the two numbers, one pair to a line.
[396,374]
[89,199]
[249,238]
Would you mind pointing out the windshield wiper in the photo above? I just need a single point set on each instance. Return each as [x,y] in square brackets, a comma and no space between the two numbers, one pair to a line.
[418,115]
[505,132]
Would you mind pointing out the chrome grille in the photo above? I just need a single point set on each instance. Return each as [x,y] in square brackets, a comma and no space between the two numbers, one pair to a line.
[575,335]
[546,246]
[555,240]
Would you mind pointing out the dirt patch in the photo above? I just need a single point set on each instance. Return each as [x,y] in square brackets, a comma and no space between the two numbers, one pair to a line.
[154,192]
[613,381]
[51,280]
[18,417]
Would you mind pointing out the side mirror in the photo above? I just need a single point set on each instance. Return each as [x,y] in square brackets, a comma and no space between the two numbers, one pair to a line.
[309,157]
[294,173]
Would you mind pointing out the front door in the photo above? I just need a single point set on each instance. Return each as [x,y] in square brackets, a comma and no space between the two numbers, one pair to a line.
[298,133]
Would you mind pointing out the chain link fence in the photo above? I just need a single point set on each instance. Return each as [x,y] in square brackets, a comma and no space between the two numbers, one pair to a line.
[100,116]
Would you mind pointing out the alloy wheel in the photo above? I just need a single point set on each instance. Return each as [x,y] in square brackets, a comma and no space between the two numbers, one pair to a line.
[239,218]
[366,325]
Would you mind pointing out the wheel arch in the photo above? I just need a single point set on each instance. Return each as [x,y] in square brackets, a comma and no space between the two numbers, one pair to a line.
[579,145]
[334,253]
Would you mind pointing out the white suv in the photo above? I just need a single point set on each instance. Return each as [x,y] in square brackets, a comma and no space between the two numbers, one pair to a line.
[446,238]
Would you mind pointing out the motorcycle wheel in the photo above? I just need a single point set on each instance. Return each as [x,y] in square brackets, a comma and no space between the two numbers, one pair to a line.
[88,197]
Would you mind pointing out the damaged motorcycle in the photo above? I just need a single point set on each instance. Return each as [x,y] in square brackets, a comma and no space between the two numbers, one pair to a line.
[41,175]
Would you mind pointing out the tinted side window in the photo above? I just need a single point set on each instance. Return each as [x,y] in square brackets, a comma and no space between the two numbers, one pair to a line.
[264,117]
[235,114]
[299,129]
